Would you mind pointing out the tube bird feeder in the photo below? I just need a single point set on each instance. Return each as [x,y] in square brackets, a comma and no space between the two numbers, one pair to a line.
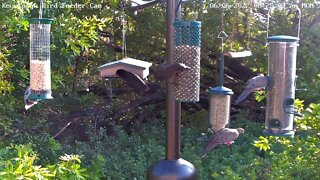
[281,91]
[220,96]
[40,71]
[219,112]
[187,41]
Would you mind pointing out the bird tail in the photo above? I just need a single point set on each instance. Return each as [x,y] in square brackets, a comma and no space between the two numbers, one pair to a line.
[243,96]
[204,152]
[29,104]
[202,155]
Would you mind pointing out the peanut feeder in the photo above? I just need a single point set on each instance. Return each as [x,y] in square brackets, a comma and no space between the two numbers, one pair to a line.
[187,41]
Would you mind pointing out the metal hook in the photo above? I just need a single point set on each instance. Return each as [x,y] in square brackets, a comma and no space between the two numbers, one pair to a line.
[276,6]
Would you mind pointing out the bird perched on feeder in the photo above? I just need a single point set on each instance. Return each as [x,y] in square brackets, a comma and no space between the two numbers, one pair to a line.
[254,84]
[28,102]
[164,72]
[223,136]
[133,81]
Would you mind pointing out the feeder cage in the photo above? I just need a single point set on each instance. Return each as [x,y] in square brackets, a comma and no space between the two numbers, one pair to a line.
[187,41]
[219,107]
[40,77]
[281,91]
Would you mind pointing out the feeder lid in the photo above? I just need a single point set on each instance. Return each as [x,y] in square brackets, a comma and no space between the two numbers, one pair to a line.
[220,90]
[283,38]
[187,23]
[141,68]
[41,20]
[128,61]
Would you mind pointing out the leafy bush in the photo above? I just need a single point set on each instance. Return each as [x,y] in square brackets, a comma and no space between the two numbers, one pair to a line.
[19,162]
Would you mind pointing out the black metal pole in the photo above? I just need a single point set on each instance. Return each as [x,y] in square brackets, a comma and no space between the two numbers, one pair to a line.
[221,69]
[173,167]
[173,107]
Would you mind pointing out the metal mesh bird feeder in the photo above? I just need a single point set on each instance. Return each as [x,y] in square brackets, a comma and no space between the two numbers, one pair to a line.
[187,40]
[281,91]
[219,112]
[40,75]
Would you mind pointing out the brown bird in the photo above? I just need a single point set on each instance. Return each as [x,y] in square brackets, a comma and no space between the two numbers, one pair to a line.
[254,84]
[223,136]
[133,81]
[164,72]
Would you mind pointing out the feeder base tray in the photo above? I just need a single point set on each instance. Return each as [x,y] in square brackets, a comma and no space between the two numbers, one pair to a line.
[283,133]
[41,95]
[177,169]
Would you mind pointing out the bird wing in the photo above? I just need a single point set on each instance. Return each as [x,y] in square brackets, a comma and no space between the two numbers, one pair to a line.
[27,93]
[159,72]
[243,96]
[253,84]
[223,136]
[133,81]
[257,83]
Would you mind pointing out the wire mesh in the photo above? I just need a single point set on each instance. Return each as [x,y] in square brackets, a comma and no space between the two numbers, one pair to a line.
[187,51]
[40,71]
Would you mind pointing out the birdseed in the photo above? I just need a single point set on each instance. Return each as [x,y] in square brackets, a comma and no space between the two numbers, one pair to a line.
[187,83]
[219,111]
[40,78]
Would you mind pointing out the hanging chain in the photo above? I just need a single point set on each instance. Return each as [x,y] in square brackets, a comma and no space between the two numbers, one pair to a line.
[41,9]
[249,26]
[124,43]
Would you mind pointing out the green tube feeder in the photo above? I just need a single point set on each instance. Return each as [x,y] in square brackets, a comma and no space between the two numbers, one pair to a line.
[187,41]
[40,71]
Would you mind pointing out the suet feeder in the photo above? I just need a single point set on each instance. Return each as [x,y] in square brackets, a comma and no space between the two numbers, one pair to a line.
[40,71]
[187,41]
[141,68]
[219,111]
[281,91]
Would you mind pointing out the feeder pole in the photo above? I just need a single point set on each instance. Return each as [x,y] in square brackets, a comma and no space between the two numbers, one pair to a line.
[173,107]
[172,167]
[221,81]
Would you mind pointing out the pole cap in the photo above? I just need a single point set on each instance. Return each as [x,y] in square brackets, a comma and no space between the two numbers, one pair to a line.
[282,38]
[220,90]
[40,20]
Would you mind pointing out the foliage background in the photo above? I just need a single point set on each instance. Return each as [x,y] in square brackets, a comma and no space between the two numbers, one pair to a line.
[104,144]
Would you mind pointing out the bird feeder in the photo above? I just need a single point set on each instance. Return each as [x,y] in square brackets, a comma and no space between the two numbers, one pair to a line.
[40,71]
[187,40]
[141,68]
[220,96]
[219,112]
[281,91]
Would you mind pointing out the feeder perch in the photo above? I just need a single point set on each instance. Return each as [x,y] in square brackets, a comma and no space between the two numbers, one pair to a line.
[187,40]
[141,68]
[219,107]
[281,91]
[40,75]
